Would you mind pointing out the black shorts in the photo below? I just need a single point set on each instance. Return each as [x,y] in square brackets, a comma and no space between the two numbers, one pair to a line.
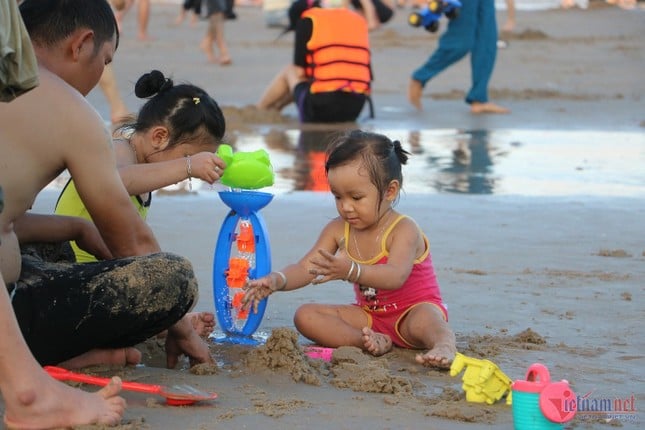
[336,106]
[215,6]
[66,309]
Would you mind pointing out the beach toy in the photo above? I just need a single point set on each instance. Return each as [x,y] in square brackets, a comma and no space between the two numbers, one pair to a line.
[428,17]
[539,404]
[319,352]
[483,381]
[245,170]
[242,250]
[177,395]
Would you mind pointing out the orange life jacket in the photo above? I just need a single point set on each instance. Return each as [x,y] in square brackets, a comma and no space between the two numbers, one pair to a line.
[338,55]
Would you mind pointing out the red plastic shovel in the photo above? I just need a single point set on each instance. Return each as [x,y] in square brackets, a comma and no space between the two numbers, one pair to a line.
[177,395]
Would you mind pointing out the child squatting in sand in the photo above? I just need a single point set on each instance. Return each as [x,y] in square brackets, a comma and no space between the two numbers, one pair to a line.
[383,253]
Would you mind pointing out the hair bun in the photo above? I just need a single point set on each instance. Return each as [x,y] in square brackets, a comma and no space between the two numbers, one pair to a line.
[152,83]
[401,153]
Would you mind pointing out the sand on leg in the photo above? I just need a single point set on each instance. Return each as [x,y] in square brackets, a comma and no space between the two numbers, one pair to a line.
[376,343]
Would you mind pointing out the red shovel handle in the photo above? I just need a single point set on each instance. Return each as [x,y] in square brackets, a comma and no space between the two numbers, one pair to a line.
[67,375]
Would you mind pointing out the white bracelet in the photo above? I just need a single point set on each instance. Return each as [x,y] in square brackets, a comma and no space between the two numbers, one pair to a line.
[358,272]
[284,280]
[189,172]
[351,270]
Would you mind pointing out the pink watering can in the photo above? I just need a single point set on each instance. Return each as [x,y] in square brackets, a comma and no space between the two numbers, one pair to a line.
[539,404]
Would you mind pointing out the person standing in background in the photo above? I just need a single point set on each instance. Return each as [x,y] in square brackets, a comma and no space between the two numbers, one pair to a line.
[474,32]
[143,15]
[215,10]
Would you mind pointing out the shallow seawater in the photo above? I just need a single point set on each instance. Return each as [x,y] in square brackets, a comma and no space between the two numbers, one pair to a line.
[502,162]
[518,162]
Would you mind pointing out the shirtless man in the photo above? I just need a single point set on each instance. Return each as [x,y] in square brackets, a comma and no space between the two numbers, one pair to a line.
[87,315]
[33,399]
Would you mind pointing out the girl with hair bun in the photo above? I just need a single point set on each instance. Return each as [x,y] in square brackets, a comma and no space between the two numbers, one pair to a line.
[173,138]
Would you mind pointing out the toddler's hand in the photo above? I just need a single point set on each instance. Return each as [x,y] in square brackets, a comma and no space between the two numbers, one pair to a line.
[329,267]
[207,166]
[256,290]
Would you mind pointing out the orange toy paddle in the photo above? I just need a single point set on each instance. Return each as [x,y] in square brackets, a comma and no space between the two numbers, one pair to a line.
[177,395]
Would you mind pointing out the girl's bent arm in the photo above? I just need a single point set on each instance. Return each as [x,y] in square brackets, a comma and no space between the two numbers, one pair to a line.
[405,243]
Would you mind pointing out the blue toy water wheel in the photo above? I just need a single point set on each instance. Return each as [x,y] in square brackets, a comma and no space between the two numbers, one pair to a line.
[245,206]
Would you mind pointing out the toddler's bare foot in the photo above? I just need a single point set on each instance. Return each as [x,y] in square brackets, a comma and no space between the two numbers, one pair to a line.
[112,357]
[225,61]
[478,108]
[415,89]
[440,356]
[52,404]
[376,343]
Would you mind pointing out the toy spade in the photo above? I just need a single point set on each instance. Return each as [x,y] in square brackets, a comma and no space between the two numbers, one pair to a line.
[176,395]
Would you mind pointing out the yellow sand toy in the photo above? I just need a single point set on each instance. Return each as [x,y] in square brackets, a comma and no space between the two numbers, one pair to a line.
[483,380]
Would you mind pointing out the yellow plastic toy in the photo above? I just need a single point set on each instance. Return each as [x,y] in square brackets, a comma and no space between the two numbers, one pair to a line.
[484,382]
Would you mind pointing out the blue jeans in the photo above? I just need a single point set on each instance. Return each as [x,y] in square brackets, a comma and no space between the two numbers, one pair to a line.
[474,31]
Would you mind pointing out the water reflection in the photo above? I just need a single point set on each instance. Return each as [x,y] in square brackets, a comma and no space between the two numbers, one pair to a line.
[471,170]
[521,162]
[310,160]
[518,162]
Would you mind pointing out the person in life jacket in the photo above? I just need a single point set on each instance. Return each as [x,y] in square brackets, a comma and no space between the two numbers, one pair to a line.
[330,78]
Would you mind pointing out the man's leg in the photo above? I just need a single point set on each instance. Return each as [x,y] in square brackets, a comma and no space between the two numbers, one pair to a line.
[482,59]
[67,310]
[118,110]
[217,31]
[143,17]
[454,44]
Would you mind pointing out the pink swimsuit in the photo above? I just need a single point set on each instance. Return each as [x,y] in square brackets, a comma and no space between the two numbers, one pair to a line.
[386,308]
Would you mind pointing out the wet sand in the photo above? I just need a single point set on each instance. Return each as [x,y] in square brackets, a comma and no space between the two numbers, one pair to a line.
[555,280]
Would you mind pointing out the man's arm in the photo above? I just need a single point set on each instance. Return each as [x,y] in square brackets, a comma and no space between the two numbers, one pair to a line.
[90,159]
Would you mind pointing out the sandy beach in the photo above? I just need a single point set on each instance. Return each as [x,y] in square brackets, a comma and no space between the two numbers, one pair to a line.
[550,279]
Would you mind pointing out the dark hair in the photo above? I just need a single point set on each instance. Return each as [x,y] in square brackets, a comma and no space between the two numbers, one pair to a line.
[50,21]
[185,109]
[296,9]
[382,157]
